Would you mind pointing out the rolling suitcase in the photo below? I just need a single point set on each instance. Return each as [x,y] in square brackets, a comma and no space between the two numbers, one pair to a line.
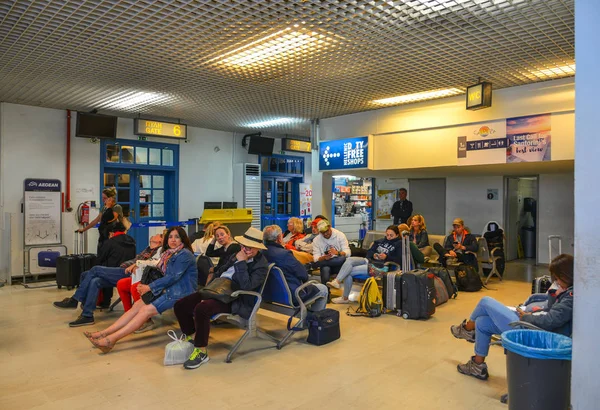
[392,294]
[70,267]
[541,284]
[441,293]
[418,295]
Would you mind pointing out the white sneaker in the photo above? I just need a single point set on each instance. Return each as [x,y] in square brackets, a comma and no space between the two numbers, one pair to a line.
[340,300]
[334,284]
[147,326]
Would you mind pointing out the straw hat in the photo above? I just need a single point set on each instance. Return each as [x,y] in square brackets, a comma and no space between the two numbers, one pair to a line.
[253,238]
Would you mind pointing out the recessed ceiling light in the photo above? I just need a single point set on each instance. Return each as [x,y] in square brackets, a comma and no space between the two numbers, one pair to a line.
[562,71]
[277,47]
[271,123]
[133,99]
[426,95]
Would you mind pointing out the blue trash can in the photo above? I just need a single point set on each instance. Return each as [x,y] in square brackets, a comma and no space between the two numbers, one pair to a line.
[538,369]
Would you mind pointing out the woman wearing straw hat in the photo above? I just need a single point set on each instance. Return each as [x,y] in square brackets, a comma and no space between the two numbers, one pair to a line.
[247,270]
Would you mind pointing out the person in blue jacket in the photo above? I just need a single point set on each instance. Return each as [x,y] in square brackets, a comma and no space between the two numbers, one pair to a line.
[178,264]
[491,317]
[294,272]
[388,249]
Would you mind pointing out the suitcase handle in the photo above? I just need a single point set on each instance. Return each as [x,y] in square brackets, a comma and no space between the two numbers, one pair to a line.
[78,243]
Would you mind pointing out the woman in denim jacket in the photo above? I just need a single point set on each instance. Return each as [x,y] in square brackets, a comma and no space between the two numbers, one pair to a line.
[178,264]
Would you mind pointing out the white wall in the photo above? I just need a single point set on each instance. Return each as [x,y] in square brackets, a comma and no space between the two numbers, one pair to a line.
[33,144]
[555,213]
[466,198]
[585,393]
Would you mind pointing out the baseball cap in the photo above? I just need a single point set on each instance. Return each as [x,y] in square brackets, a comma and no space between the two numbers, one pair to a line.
[323,226]
[315,222]
[458,221]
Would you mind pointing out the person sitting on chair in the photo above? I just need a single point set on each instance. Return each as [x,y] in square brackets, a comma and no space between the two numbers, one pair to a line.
[294,272]
[418,231]
[330,250]
[491,317]
[178,265]
[221,246]
[118,249]
[457,244]
[247,270]
[296,232]
[200,246]
[304,247]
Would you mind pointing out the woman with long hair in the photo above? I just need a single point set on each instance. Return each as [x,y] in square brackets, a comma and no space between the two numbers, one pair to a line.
[418,231]
[221,246]
[180,279]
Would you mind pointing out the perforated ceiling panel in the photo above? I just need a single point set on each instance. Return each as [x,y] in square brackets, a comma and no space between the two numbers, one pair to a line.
[230,63]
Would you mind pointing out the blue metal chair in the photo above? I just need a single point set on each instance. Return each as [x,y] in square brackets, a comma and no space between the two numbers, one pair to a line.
[277,297]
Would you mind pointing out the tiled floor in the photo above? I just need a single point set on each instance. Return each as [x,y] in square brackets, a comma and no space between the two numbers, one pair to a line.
[380,363]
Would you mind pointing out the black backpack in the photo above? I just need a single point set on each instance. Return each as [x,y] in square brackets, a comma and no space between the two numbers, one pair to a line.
[467,278]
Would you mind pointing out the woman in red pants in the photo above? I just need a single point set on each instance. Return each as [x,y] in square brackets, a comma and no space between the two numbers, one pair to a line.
[127,291]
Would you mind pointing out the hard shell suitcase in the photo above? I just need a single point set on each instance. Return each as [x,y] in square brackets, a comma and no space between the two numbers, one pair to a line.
[70,267]
[541,284]
[418,295]
[392,294]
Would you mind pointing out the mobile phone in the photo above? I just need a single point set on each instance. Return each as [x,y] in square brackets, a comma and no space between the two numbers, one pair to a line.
[455,243]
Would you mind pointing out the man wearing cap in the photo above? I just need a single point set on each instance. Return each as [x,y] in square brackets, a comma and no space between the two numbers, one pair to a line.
[330,250]
[457,244]
[306,244]
[247,270]
[294,272]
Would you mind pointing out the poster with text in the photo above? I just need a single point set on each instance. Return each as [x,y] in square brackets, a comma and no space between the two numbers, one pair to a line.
[529,138]
[305,199]
[42,212]
[482,143]
[385,201]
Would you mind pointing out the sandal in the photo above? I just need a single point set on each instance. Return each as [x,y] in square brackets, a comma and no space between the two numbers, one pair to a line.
[89,336]
[105,349]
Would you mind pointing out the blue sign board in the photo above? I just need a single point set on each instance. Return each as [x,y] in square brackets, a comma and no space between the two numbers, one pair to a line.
[349,153]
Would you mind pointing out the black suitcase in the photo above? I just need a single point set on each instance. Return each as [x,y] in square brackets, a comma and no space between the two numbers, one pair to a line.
[418,295]
[68,271]
[392,291]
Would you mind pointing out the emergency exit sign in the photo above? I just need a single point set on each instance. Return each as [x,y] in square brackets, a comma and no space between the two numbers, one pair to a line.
[159,128]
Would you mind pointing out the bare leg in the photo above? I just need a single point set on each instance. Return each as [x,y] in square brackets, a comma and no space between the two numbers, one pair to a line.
[122,321]
[478,359]
[470,325]
[145,313]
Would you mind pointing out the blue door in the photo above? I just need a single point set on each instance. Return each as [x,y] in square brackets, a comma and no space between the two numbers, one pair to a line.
[279,201]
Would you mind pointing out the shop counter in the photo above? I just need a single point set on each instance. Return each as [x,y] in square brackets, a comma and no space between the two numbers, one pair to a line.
[349,225]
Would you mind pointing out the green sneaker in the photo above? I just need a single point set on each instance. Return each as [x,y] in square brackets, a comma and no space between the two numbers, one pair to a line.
[197,359]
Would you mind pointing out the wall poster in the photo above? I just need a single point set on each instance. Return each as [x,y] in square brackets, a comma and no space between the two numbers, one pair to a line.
[305,199]
[482,144]
[42,212]
[529,138]
[385,201]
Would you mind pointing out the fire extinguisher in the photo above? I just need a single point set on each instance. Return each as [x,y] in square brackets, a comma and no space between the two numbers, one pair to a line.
[83,213]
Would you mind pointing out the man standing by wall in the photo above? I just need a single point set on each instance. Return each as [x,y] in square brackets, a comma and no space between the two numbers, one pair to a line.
[402,209]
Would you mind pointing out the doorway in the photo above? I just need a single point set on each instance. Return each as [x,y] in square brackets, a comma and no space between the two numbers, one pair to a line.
[521,223]
[428,197]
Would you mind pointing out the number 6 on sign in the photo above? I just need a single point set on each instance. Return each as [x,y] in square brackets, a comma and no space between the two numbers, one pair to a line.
[177,130]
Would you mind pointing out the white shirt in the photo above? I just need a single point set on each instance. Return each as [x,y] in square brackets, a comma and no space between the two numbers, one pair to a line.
[201,245]
[337,240]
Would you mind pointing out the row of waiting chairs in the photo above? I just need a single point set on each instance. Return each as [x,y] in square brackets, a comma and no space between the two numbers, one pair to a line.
[274,295]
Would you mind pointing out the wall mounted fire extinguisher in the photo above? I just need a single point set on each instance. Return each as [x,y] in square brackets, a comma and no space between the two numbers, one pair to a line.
[83,213]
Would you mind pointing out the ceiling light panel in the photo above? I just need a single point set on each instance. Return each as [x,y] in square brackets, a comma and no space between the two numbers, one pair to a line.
[271,123]
[426,95]
[224,64]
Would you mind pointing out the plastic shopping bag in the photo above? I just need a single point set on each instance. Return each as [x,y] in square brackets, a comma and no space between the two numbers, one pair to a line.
[178,351]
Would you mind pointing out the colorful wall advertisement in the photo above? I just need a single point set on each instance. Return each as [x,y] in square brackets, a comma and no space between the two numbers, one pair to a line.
[385,201]
[482,144]
[529,138]
[305,199]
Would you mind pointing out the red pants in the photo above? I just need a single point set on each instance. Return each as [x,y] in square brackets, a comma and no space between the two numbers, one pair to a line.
[127,291]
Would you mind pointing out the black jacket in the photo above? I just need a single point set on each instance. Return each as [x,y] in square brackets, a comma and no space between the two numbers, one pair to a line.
[422,239]
[247,276]
[221,253]
[401,211]
[116,250]
[470,243]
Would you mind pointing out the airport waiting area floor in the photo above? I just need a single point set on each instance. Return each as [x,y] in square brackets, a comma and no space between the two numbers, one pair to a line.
[380,363]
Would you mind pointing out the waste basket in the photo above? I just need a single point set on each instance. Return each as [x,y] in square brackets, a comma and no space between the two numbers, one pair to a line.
[538,369]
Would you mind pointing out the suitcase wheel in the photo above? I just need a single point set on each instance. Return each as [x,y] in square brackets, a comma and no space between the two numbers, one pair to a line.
[405,315]
[69,287]
[59,286]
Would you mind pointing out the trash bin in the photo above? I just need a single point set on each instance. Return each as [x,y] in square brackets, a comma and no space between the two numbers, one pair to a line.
[528,241]
[538,369]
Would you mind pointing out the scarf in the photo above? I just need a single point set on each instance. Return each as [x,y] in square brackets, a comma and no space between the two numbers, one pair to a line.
[165,256]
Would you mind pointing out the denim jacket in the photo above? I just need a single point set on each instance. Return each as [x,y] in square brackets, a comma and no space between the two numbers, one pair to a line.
[181,276]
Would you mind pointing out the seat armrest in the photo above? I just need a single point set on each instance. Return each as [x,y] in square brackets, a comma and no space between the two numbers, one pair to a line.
[393,265]
[525,325]
[302,287]
[257,295]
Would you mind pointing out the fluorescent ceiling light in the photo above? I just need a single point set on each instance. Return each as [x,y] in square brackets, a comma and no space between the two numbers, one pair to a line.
[345,176]
[133,99]
[271,123]
[426,95]
[290,42]
[562,71]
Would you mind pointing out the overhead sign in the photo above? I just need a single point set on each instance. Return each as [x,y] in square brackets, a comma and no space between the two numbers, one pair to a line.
[295,145]
[348,153]
[159,128]
[42,212]
[479,96]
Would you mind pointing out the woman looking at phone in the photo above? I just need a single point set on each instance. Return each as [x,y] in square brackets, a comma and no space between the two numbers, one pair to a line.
[491,317]
[180,279]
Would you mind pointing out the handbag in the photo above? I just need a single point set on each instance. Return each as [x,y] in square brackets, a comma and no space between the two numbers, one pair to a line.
[323,327]
[151,273]
[218,289]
